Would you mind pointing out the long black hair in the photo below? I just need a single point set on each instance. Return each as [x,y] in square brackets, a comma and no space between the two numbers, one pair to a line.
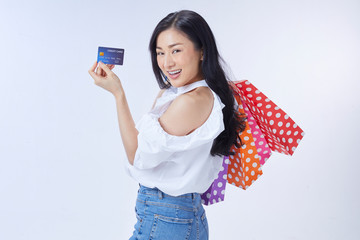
[198,31]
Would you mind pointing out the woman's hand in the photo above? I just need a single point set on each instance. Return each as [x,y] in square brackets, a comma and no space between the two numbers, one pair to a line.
[106,78]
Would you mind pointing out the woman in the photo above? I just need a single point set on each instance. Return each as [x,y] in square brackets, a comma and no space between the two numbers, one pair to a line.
[175,151]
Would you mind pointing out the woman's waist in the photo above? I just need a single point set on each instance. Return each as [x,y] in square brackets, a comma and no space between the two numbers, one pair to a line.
[157,192]
[153,201]
[191,200]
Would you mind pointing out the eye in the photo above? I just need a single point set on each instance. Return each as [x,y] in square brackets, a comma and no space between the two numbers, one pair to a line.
[176,51]
[159,53]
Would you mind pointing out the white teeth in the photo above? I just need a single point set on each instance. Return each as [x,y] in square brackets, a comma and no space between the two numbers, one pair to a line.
[175,72]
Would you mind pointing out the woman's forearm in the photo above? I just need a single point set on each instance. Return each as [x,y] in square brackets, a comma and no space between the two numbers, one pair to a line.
[127,128]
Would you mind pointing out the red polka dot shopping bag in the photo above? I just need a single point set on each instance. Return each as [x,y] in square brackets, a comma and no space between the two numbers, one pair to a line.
[268,128]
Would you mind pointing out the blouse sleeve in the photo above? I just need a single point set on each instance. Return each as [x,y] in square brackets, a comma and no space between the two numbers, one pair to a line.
[156,146]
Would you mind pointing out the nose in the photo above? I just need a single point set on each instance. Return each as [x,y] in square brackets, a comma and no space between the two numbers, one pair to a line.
[168,61]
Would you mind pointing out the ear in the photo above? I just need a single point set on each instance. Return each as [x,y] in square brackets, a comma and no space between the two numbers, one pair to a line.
[202,55]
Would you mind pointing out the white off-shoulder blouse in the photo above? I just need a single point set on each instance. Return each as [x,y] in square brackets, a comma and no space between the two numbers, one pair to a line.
[177,164]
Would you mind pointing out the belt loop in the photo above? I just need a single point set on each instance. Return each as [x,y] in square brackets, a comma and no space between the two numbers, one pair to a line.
[160,194]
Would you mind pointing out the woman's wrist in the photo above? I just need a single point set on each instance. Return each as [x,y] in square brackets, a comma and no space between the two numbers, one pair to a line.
[119,95]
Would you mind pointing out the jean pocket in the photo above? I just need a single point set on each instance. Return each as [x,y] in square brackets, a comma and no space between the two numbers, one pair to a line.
[170,228]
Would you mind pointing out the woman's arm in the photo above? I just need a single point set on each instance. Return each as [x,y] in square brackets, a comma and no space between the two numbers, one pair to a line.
[108,80]
[127,128]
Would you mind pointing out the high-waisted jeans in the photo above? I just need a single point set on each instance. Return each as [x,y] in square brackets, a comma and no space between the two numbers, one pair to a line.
[161,216]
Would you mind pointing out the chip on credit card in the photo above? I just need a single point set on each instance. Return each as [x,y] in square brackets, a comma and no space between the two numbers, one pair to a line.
[111,55]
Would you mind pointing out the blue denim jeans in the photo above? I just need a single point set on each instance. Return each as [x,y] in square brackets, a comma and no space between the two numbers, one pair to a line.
[161,216]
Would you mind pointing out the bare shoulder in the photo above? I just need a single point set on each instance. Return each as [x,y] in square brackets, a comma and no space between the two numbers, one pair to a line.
[188,111]
[197,101]
[201,93]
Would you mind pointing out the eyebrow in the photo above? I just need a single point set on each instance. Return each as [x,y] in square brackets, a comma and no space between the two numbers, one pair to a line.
[171,45]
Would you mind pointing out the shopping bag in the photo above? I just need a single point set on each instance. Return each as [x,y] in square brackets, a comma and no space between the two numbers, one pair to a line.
[281,132]
[244,167]
[216,192]
[268,128]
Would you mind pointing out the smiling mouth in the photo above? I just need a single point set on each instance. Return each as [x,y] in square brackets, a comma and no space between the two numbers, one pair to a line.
[174,72]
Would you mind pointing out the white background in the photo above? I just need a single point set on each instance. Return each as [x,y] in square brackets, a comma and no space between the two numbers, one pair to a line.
[61,155]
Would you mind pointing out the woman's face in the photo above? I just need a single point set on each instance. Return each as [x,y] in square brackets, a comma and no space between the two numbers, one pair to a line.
[177,58]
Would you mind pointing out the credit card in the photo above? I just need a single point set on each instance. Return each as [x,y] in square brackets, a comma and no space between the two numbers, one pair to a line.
[111,55]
